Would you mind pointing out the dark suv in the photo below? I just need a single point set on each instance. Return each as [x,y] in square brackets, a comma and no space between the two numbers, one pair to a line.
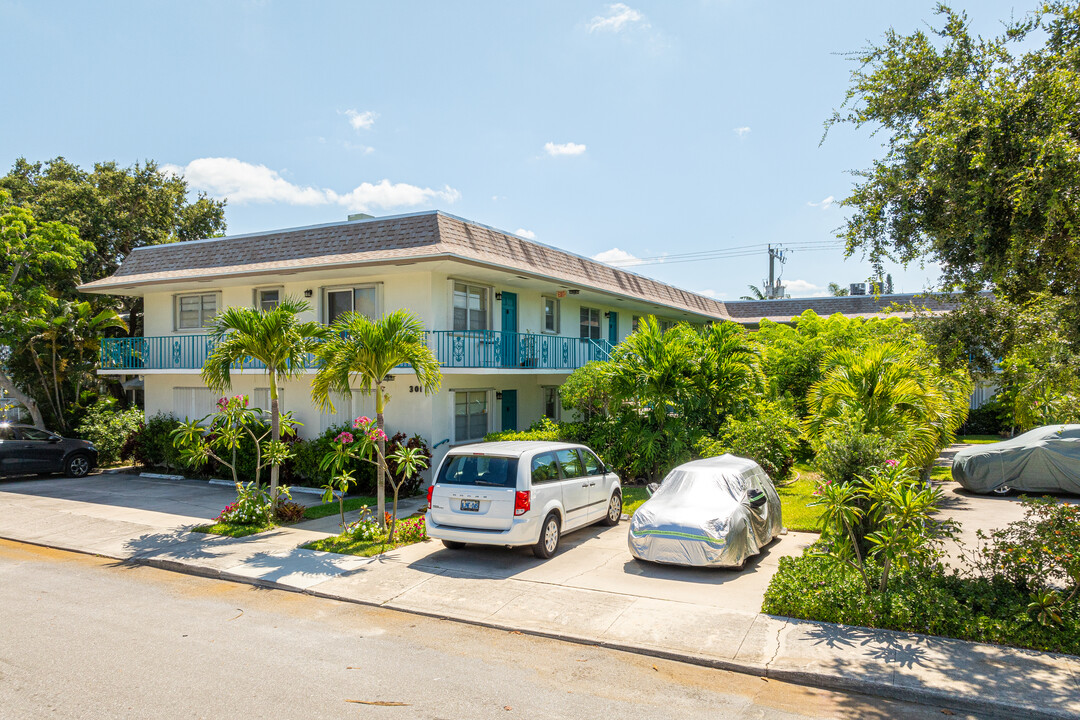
[26,450]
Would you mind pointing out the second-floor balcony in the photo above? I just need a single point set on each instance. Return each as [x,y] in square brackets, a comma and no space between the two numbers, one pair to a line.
[478,349]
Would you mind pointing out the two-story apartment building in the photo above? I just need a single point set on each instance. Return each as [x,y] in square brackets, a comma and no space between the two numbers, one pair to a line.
[508,318]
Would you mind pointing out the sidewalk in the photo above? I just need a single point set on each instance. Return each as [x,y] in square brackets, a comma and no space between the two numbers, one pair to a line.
[425,579]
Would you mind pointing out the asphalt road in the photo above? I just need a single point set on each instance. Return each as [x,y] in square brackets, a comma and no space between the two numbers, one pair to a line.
[86,637]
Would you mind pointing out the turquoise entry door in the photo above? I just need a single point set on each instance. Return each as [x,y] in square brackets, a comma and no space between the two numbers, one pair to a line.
[509,332]
[613,328]
[509,410]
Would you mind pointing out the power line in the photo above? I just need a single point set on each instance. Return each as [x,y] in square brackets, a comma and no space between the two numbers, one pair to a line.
[723,254]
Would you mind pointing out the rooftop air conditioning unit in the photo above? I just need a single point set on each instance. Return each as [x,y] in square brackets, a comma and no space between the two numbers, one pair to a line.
[857,288]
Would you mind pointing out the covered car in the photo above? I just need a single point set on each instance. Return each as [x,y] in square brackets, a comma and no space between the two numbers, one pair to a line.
[1045,459]
[713,512]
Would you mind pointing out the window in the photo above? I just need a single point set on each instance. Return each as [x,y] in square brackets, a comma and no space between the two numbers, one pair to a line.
[545,468]
[551,402]
[7,432]
[590,323]
[666,325]
[261,399]
[470,307]
[346,408]
[550,322]
[570,463]
[195,312]
[193,403]
[634,323]
[267,299]
[479,470]
[362,299]
[592,463]
[35,434]
[470,415]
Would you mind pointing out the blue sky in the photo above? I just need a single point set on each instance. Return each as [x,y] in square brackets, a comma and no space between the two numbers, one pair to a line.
[640,130]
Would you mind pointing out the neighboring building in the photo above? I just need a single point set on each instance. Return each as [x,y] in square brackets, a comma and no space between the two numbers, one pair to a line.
[509,319]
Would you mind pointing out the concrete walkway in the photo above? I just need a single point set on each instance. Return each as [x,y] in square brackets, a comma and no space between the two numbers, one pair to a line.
[667,612]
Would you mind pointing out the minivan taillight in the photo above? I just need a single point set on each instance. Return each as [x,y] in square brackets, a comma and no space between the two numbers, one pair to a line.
[431,489]
[521,502]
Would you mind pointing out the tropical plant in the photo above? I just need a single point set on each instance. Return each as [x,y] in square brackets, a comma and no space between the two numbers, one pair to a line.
[220,435]
[367,351]
[38,259]
[890,390]
[108,426]
[343,451]
[886,517]
[276,338]
[251,507]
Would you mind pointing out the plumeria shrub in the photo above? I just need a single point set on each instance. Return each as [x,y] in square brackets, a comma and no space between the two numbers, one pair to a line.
[252,507]
[880,523]
[366,529]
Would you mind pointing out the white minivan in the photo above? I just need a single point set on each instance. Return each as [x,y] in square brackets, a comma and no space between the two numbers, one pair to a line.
[520,493]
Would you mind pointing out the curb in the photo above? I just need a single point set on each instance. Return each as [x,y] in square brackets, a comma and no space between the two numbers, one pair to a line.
[923,696]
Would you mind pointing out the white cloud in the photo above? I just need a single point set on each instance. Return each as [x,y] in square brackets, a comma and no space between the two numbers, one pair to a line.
[615,256]
[619,17]
[569,148]
[741,131]
[824,204]
[712,294]
[527,234]
[243,182]
[361,120]
[804,288]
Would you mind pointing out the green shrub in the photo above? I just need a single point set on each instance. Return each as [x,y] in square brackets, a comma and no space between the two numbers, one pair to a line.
[988,419]
[152,444]
[980,609]
[1040,551]
[769,437]
[544,429]
[108,427]
[846,452]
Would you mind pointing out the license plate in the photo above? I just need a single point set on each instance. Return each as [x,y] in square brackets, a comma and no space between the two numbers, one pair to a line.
[470,505]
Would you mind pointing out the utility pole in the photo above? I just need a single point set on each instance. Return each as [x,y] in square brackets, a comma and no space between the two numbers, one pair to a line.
[774,255]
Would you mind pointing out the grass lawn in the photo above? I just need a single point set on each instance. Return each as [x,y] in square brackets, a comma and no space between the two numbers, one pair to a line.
[632,498]
[795,497]
[349,546]
[231,529]
[331,508]
[978,439]
[941,474]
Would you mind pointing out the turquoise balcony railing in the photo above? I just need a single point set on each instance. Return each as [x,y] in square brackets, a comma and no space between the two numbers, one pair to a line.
[481,349]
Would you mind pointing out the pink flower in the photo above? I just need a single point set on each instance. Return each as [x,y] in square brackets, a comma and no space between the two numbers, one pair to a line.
[344,438]
[892,463]
[377,435]
[221,403]
[361,421]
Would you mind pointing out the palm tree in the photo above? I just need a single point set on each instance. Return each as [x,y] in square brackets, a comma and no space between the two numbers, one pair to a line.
[755,294]
[276,338]
[728,374]
[368,350]
[891,392]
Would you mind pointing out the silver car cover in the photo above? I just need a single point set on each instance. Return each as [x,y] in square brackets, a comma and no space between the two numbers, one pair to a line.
[1045,459]
[701,515]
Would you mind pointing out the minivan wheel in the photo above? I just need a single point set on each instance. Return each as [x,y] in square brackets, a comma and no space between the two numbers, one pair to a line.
[614,509]
[453,544]
[78,465]
[549,537]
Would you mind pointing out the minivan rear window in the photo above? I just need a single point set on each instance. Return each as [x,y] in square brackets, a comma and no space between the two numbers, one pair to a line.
[487,470]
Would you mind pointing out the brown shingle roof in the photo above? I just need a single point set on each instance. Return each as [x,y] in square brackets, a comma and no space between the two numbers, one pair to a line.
[430,235]
[750,312]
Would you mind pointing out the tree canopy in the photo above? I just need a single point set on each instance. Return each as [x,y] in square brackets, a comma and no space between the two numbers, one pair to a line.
[983,152]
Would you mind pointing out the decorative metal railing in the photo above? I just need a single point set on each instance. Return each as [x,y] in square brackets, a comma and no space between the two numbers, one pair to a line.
[481,349]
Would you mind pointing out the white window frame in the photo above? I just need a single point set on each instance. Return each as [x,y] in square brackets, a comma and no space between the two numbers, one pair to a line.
[256,295]
[204,322]
[192,398]
[488,392]
[544,300]
[599,317]
[488,315]
[377,286]
[264,392]
[346,409]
